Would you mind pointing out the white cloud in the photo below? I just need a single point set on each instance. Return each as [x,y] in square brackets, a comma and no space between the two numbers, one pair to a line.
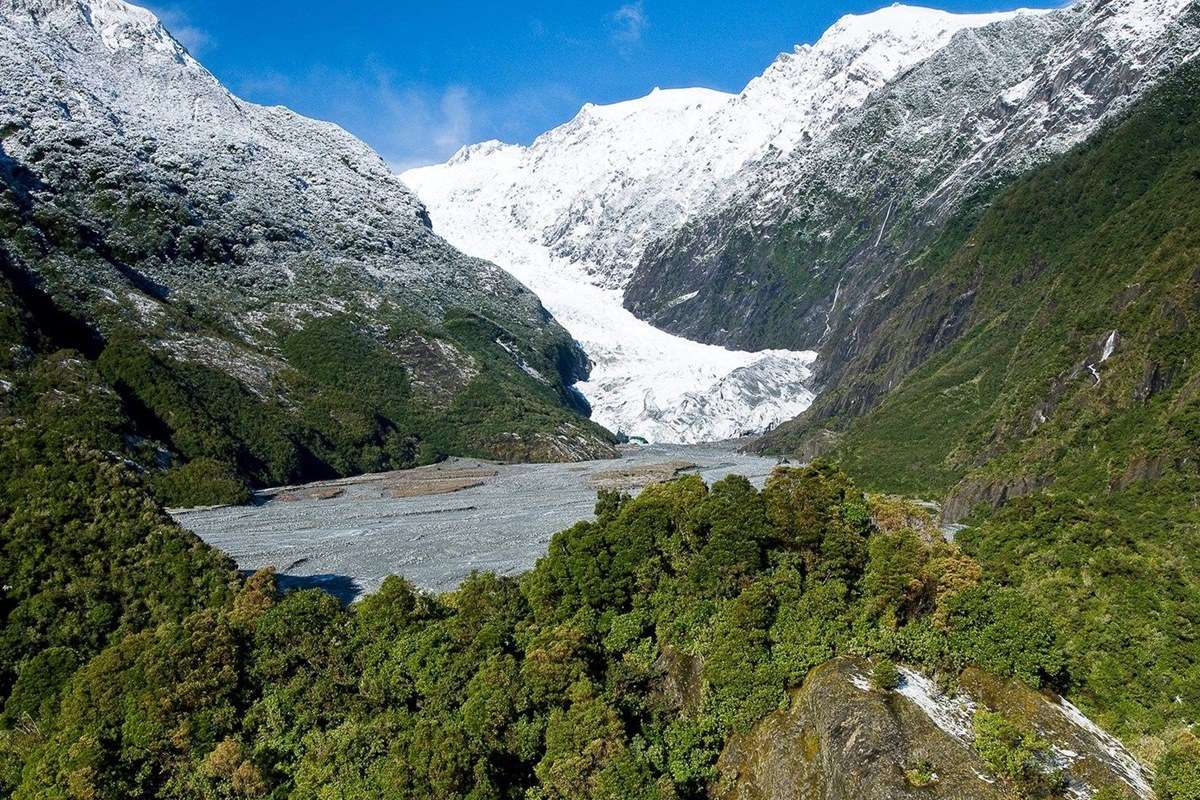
[413,125]
[191,36]
[408,124]
[454,126]
[629,22]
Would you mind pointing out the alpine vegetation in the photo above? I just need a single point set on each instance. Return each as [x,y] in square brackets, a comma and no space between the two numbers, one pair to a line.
[938,273]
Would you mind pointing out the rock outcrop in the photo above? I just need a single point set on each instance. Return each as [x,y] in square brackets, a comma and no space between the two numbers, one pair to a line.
[840,739]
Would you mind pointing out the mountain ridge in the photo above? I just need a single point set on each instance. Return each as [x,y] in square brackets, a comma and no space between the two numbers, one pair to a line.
[793,99]
[802,221]
[208,234]
[572,213]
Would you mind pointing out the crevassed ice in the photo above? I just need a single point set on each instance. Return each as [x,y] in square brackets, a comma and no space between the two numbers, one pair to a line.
[646,382]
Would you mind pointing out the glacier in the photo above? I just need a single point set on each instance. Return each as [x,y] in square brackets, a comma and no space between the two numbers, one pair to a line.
[644,382]
[572,214]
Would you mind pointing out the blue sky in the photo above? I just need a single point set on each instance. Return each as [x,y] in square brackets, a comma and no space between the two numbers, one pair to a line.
[419,79]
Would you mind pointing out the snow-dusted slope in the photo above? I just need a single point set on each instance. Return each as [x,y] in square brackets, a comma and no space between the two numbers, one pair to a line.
[103,84]
[149,191]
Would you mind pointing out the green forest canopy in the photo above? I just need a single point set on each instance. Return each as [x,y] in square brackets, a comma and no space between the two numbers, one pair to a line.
[137,663]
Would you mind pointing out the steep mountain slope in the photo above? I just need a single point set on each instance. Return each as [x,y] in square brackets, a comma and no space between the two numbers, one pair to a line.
[572,214]
[237,251]
[804,253]
[1082,267]
[1043,378]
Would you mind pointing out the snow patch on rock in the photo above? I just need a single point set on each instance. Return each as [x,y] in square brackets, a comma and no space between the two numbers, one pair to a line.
[951,713]
[1113,751]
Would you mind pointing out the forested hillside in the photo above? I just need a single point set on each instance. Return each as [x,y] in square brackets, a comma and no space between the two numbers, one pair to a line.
[1046,376]
[138,664]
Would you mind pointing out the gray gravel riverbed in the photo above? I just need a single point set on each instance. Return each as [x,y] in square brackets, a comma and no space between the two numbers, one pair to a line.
[360,532]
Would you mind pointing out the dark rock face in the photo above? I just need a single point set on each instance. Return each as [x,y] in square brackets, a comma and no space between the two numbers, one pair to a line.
[1144,468]
[682,687]
[842,740]
[814,251]
[991,493]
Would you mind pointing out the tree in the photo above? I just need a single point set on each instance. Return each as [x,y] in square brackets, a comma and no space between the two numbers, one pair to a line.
[896,584]
[1015,754]
[884,676]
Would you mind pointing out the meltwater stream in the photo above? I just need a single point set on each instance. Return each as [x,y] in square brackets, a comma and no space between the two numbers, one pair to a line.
[347,536]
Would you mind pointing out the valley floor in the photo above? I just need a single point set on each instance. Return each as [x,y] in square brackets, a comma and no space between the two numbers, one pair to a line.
[436,525]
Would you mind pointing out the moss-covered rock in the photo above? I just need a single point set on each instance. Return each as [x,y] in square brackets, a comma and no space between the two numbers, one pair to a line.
[840,738]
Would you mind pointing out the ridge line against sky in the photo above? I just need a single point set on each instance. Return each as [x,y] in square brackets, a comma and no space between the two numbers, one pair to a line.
[418,82]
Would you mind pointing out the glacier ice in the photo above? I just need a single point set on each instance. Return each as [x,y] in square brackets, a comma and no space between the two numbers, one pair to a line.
[571,215]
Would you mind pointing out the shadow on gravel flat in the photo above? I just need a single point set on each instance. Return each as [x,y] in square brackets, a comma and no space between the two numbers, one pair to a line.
[343,587]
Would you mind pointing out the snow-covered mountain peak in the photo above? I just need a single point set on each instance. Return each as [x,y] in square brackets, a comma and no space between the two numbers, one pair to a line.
[481,150]
[123,26]
[804,92]
[149,111]
[905,23]
[120,25]
[658,101]
[583,202]
[924,91]
[597,189]
[633,129]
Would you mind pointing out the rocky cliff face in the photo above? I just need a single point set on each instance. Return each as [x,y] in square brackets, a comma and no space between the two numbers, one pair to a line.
[144,198]
[840,739]
[804,253]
